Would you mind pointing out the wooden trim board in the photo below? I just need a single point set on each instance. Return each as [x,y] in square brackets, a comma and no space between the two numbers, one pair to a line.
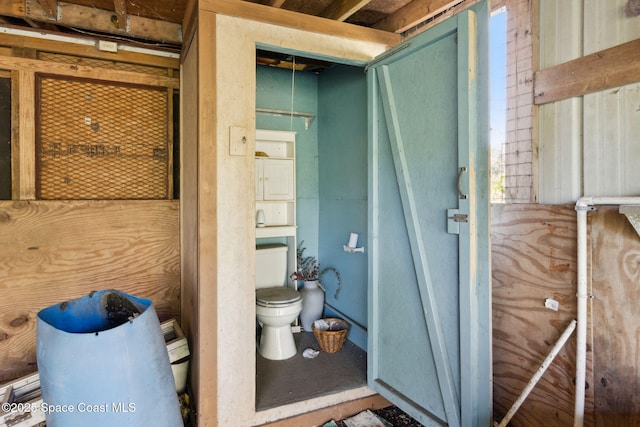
[609,68]
[301,21]
[87,50]
[335,412]
[75,70]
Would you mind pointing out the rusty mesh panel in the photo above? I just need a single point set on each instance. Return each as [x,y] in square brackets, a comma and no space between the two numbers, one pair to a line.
[100,141]
[99,63]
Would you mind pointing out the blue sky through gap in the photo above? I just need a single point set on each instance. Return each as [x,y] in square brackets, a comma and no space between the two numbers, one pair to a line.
[498,79]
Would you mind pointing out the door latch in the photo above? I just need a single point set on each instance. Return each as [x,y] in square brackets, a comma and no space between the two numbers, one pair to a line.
[454,218]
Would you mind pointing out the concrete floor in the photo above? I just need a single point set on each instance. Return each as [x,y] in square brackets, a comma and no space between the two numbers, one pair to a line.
[280,382]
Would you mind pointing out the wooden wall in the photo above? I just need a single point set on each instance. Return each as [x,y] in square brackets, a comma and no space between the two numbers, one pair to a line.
[534,258]
[616,319]
[55,251]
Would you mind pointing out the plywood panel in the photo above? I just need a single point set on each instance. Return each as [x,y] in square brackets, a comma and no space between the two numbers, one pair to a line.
[616,304]
[55,251]
[534,258]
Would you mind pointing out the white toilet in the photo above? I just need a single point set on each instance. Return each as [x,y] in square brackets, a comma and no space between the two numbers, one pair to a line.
[277,305]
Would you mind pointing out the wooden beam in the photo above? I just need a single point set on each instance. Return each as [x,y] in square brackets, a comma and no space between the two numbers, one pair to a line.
[609,68]
[50,8]
[34,24]
[342,9]
[90,18]
[413,13]
[301,21]
[23,153]
[89,51]
[101,20]
[188,25]
[340,411]
[454,10]
[15,8]
[275,3]
[26,65]
[121,13]
[498,4]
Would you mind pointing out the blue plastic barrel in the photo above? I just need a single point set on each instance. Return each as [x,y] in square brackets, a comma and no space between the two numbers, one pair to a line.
[103,361]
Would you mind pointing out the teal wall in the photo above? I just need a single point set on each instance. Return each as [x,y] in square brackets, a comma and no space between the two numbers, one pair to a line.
[273,90]
[342,136]
[331,175]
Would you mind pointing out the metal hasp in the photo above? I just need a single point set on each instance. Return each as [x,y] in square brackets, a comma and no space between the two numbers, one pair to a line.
[454,218]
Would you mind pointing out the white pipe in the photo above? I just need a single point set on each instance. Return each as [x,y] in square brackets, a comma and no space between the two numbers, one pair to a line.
[581,334]
[583,205]
[536,377]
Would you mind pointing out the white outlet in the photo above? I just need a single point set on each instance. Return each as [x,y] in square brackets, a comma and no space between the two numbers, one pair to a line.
[107,46]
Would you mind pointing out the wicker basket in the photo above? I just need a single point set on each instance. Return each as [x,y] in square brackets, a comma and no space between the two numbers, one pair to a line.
[331,341]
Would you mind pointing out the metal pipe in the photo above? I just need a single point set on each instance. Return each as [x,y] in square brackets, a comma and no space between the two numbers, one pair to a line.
[536,377]
[583,205]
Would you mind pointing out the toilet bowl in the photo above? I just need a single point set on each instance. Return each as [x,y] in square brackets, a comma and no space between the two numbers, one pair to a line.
[277,305]
[276,309]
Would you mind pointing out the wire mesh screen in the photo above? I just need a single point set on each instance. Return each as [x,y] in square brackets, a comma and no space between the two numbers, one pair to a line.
[101,141]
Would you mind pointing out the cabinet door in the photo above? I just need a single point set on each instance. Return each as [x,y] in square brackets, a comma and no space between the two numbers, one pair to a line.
[259,180]
[278,179]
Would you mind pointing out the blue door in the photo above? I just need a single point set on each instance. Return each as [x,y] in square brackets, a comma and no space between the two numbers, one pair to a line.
[429,291]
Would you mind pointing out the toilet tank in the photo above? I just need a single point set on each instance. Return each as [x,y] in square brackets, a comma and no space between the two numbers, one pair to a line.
[271,265]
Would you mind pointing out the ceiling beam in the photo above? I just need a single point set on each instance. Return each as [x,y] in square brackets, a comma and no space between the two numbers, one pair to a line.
[413,13]
[340,10]
[15,8]
[275,3]
[286,18]
[34,24]
[121,13]
[93,19]
[50,8]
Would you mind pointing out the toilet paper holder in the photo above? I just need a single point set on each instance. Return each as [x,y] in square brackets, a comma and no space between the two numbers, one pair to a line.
[352,246]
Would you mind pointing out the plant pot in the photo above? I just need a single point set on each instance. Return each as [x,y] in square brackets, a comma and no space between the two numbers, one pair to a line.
[312,303]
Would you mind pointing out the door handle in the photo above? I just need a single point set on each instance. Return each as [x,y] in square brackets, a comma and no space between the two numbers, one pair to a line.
[461,195]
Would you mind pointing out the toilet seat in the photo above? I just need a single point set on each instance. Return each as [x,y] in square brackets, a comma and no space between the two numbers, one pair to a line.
[278,296]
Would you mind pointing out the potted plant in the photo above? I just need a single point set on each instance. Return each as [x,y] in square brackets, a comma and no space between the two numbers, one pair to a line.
[309,272]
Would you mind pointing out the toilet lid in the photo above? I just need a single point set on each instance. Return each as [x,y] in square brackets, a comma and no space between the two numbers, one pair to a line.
[279,295]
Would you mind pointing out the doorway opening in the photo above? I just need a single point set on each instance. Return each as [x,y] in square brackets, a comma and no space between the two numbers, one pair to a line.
[328,109]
